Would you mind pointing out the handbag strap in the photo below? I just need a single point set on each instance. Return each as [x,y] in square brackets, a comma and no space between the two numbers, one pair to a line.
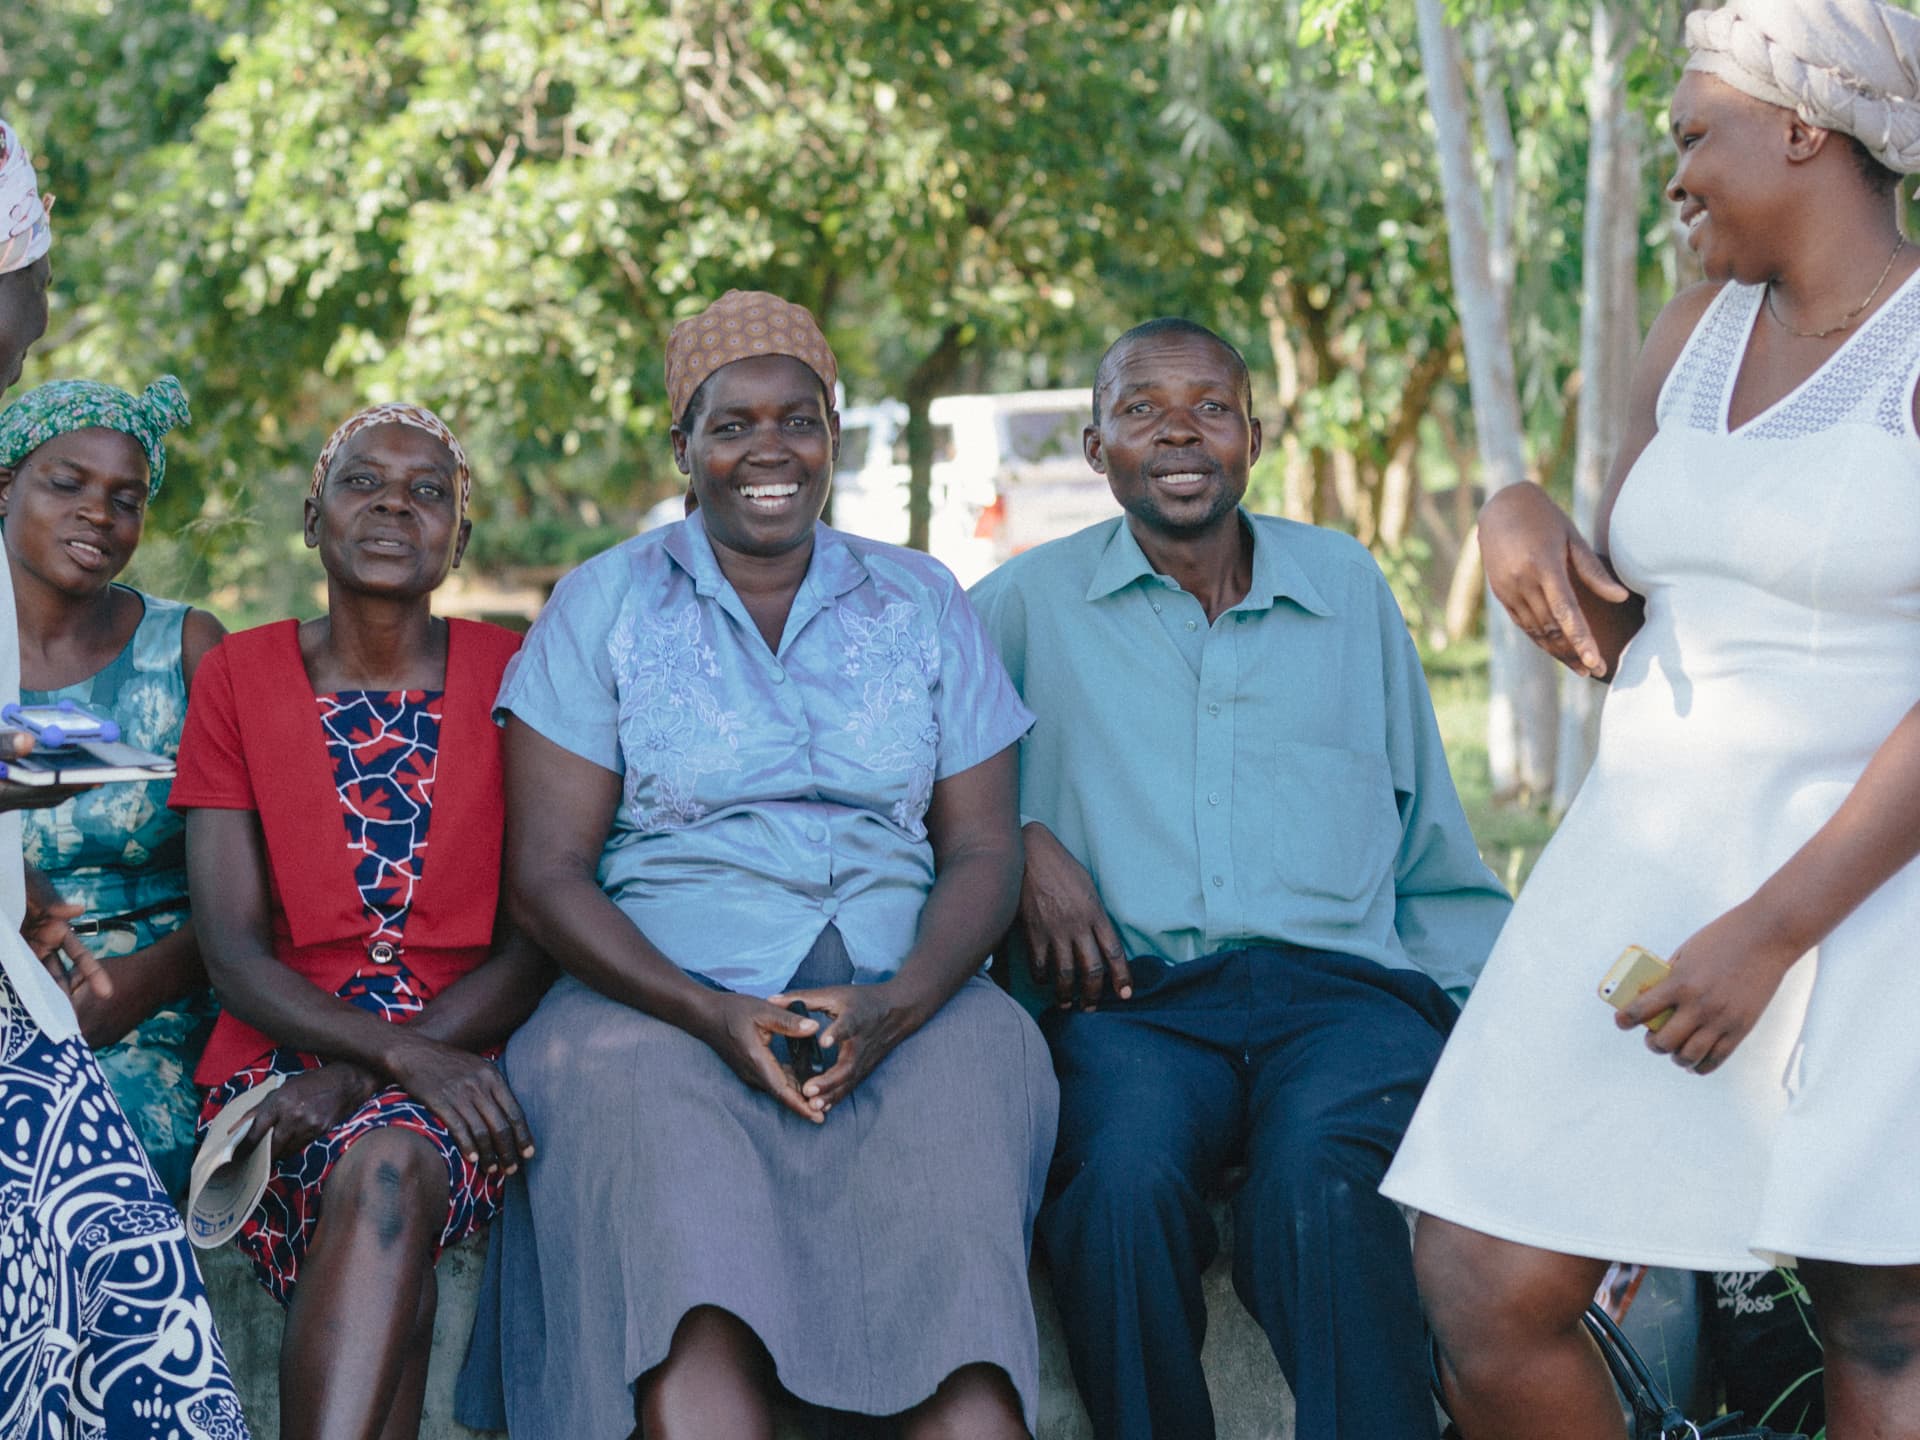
[1655,1416]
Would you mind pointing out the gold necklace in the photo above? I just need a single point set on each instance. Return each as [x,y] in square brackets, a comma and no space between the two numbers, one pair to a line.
[1852,315]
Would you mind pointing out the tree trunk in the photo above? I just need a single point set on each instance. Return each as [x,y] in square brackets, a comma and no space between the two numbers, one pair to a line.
[932,375]
[1521,729]
[1466,591]
[1609,336]
[1299,499]
[1399,480]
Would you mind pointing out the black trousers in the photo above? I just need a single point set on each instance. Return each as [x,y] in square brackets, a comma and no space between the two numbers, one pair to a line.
[1304,1065]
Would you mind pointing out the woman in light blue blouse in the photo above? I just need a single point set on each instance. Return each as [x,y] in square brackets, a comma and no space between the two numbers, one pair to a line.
[756,764]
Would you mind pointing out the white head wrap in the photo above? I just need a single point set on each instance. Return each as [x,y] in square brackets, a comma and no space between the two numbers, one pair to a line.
[25,234]
[1847,65]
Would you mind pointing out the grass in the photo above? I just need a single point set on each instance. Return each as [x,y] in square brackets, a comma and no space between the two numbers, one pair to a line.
[1510,836]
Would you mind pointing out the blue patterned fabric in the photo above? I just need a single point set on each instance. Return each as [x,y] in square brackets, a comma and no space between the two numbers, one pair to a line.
[767,793]
[384,746]
[119,850]
[105,1331]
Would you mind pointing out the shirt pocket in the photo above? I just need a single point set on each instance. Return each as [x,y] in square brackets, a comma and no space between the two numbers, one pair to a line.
[1334,824]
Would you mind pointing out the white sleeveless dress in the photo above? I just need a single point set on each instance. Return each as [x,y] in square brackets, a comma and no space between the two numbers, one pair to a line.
[1781,568]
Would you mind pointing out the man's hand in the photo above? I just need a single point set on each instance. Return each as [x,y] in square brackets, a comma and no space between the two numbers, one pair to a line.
[48,931]
[867,1022]
[308,1106]
[1721,983]
[15,796]
[740,1030]
[1071,944]
[1535,558]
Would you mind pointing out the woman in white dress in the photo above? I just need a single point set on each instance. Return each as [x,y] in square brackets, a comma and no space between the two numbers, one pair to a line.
[1754,810]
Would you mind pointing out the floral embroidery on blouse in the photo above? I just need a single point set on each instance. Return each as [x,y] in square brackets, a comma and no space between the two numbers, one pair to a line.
[895,658]
[672,724]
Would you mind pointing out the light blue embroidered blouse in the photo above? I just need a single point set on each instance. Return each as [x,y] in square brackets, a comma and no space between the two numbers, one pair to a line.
[765,794]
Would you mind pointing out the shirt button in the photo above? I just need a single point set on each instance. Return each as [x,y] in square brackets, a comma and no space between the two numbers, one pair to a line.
[1218,881]
[1213,709]
[816,833]
[1156,606]
[779,677]
[829,907]
[1192,625]
[1214,798]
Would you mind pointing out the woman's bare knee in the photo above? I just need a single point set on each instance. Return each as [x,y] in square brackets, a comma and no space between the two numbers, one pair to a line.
[975,1402]
[389,1188]
[1485,1295]
[1869,1316]
[717,1380]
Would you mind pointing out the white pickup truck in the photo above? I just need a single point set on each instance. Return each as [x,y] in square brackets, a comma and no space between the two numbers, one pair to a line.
[1008,474]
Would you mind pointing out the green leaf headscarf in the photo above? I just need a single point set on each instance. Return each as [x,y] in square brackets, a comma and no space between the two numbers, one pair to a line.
[64,406]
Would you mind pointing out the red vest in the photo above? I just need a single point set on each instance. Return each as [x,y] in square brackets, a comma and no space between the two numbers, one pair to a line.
[253,686]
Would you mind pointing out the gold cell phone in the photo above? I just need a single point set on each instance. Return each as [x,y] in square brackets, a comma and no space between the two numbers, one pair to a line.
[1633,974]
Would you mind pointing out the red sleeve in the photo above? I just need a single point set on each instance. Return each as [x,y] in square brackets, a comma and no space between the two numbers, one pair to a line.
[211,770]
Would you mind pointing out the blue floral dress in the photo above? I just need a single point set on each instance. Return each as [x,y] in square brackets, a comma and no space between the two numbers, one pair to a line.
[385,748]
[122,853]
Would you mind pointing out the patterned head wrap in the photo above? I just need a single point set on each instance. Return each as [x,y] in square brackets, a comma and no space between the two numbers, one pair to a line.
[738,326]
[26,232]
[63,406]
[1847,65]
[398,413]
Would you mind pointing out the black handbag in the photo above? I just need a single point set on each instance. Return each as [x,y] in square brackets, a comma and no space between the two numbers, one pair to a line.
[1655,1417]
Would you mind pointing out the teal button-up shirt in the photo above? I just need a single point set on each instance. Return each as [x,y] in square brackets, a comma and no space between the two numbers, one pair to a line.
[1276,775]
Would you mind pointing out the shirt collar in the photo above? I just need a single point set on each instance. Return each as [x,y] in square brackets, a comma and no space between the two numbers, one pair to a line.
[831,573]
[1276,574]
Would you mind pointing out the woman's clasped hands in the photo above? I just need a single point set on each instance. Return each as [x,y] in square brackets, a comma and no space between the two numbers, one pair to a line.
[865,1023]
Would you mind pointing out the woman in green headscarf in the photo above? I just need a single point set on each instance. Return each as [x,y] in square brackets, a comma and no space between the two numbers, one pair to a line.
[78,463]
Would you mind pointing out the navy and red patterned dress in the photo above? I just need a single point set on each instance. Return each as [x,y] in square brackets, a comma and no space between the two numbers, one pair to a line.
[384,748]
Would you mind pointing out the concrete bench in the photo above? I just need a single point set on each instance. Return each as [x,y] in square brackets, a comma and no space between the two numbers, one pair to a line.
[1250,1399]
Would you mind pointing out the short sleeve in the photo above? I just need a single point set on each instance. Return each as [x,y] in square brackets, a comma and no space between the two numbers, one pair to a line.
[978,711]
[211,770]
[561,683]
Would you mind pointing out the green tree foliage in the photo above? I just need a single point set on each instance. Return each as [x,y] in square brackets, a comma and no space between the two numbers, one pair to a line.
[499,207]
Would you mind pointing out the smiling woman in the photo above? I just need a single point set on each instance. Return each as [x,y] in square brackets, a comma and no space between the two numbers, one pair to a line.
[78,462]
[755,767]
[1754,810]
[342,782]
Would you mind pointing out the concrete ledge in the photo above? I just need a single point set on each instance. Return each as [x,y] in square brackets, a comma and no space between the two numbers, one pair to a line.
[1250,1399]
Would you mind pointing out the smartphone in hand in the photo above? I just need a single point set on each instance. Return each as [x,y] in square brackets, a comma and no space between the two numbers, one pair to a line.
[803,1051]
[1633,974]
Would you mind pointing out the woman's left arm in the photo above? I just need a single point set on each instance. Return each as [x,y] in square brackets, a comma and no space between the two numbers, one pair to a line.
[1725,974]
[166,972]
[973,825]
[486,1005]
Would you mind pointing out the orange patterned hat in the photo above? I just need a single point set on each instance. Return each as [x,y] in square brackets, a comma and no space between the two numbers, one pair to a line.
[738,326]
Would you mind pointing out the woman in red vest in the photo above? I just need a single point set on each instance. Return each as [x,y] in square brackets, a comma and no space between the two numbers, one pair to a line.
[342,785]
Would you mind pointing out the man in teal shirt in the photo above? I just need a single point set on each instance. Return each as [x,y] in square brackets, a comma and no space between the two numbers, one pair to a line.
[1250,890]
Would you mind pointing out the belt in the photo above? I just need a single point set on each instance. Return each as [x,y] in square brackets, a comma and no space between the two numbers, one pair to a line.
[91,925]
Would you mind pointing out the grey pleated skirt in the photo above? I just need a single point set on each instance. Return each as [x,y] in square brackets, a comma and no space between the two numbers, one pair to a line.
[873,1255]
